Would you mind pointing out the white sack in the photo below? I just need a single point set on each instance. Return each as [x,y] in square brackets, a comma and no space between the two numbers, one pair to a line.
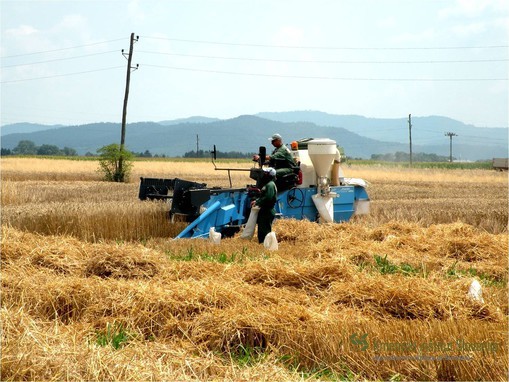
[248,231]
[270,241]
[214,236]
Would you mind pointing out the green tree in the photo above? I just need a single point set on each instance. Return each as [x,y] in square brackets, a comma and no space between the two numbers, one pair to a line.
[25,147]
[48,150]
[70,152]
[109,160]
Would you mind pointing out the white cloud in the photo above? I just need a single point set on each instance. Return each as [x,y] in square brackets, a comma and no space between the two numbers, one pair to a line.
[424,36]
[72,21]
[472,8]
[502,22]
[65,31]
[488,14]
[23,39]
[288,36]
[135,12]
[21,31]
[469,29]
[388,22]
[73,25]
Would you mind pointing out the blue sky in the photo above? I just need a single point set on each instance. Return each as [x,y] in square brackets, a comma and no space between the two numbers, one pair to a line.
[62,62]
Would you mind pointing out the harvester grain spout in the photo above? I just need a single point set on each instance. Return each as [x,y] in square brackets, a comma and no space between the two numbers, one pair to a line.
[322,152]
[314,190]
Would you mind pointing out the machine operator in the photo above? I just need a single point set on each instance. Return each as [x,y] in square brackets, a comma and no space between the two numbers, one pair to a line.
[281,158]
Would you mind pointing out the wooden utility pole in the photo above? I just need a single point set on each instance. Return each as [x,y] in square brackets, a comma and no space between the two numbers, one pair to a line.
[197,146]
[410,135]
[450,135]
[129,57]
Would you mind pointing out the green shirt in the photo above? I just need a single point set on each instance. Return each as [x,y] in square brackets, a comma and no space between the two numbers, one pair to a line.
[282,153]
[267,197]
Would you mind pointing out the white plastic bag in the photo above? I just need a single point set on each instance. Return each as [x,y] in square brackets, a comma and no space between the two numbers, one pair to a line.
[214,236]
[248,231]
[475,291]
[270,242]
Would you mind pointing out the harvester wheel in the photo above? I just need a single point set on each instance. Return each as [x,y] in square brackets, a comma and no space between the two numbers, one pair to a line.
[295,198]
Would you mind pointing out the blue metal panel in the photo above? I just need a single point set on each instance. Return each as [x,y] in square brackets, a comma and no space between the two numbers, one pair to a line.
[236,199]
[225,215]
[343,202]
[221,209]
[203,219]
[361,193]
[230,207]
[240,201]
[297,204]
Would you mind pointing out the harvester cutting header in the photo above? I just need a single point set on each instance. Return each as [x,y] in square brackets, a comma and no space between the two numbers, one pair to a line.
[311,187]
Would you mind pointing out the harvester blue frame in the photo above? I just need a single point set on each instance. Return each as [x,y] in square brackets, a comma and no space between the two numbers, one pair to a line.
[231,209]
[227,209]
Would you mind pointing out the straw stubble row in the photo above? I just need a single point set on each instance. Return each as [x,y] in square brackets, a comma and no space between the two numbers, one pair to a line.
[298,309]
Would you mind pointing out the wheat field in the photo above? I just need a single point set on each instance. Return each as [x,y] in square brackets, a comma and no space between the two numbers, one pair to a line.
[94,287]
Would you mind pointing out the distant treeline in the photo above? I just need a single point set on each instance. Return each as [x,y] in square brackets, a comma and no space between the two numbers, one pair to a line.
[219,154]
[400,156]
[26,147]
[148,154]
[193,154]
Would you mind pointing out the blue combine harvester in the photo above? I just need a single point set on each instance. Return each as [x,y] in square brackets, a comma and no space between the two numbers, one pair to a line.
[315,190]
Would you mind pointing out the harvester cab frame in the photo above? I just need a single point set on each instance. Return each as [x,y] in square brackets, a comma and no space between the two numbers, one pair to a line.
[315,190]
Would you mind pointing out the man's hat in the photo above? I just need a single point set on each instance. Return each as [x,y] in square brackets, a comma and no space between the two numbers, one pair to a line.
[275,136]
[270,171]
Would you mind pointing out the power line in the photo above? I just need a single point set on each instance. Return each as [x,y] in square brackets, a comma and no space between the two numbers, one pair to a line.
[267,75]
[327,47]
[328,78]
[477,138]
[433,140]
[390,129]
[58,59]
[61,49]
[431,131]
[60,75]
[325,61]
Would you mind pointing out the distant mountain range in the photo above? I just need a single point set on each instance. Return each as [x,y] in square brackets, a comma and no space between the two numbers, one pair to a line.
[25,127]
[196,119]
[359,136]
[425,130]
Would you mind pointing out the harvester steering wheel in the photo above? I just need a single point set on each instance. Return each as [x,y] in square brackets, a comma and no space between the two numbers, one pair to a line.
[295,197]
